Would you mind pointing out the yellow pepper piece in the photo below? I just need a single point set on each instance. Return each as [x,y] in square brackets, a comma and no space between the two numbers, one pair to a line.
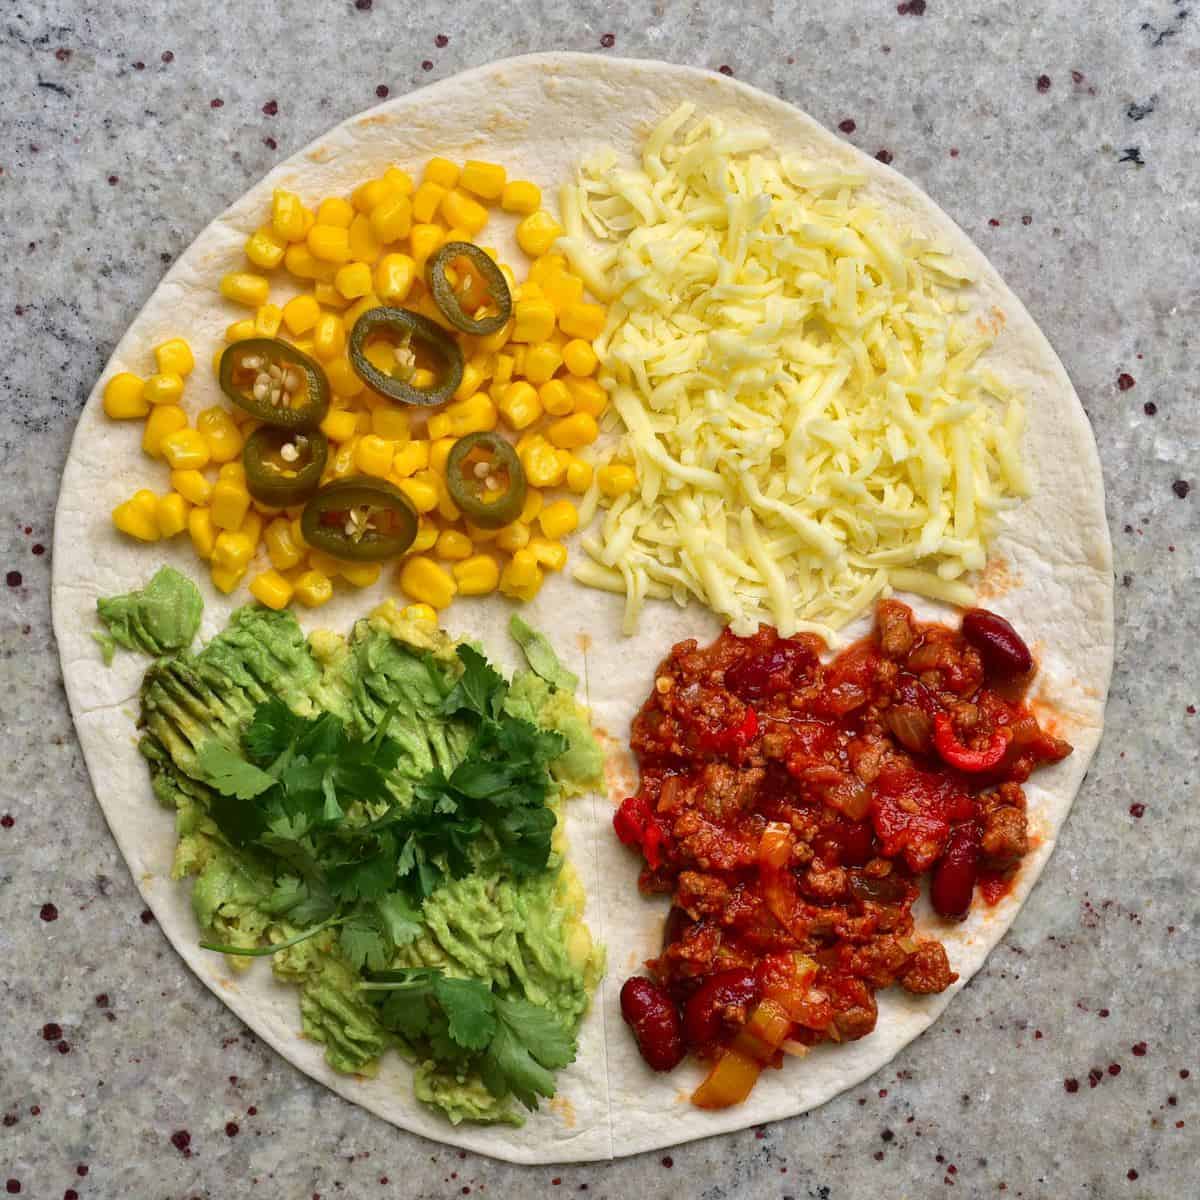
[220,431]
[477,575]
[519,405]
[453,545]
[582,320]
[289,216]
[271,589]
[313,588]
[442,172]
[242,287]
[163,389]
[549,554]
[164,419]
[570,433]
[203,535]
[483,179]
[559,519]
[230,503]
[579,357]
[422,580]
[131,518]
[185,450]
[520,196]
[124,397]
[537,232]
[353,280]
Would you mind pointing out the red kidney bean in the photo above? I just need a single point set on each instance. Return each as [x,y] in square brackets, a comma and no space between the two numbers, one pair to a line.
[703,1016]
[654,1019]
[857,840]
[999,645]
[676,925]
[953,884]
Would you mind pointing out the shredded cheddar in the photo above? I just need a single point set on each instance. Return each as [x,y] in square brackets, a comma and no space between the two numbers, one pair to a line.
[794,380]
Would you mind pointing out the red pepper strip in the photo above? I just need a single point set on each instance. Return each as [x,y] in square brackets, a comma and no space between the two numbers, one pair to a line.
[635,826]
[954,753]
[735,737]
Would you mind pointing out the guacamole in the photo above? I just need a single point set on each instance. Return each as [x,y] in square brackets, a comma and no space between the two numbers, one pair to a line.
[381,815]
[159,619]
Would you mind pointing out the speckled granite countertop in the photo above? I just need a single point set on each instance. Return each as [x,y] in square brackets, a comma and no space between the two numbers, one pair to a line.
[1062,137]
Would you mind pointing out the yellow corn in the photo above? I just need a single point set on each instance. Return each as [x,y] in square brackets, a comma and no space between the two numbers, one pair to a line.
[243,287]
[442,172]
[174,357]
[164,419]
[563,289]
[191,485]
[453,545]
[267,319]
[419,612]
[579,475]
[520,196]
[542,359]
[335,211]
[131,517]
[422,580]
[289,216]
[265,248]
[328,336]
[616,480]
[230,502]
[233,471]
[329,243]
[587,396]
[163,389]
[391,218]
[239,331]
[556,398]
[203,535]
[491,342]
[339,424]
[513,537]
[367,195]
[519,354]
[361,575]
[232,551]
[446,508]
[281,545]
[410,458]
[502,372]
[373,455]
[582,320]
[531,507]
[302,263]
[424,496]
[458,209]
[438,453]
[270,588]
[579,357]
[477,575]
[423,241]
[341,461]
[472,380]
[543,469]
[537,232]
[185,450]
[426,200]
[533,320]
[390,422]
[570,433]
[220,432]
[426,539]
[519,405]
[301,313]
[439,425]
[549,554]
[483,179]
[360,306]
[364,245]
[313,589]
[328,296]
[343,379]
[353,280]
[522,577]
[226,579]
[475,414]
[124,397]
[559,519]
[394,277]
[399,181]
[325,563]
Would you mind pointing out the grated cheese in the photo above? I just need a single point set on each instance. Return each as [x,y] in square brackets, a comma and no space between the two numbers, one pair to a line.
[793,380]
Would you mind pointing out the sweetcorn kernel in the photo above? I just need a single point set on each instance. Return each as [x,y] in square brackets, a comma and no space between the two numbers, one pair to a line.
[615,480]
[532,506]
[302,263]
[483,179]
[424,496]
[267,319]
[239,331]
[579,357]
[301,313]
[313,588]
[537,233]
[453,545]
[132,519]
[543,468]
[410,458]
[242,287]
[559,519]
[391,219]
[460,211]
[556,398]
[271,589]
[329,243]
[174,357]
[439,452]
[361,575]
[329,336]
[202,533]
[521,196]
[426,539]
[265,248]
[390,422]
[477,575]
[513,537]
[519,405]
[570,433]
[533,320]
[542,359]
[220,431]
[282,548]
[185,450]
[373,455]
[426,200]
[549,554]
[289,216]
[441,171]
[522,577]
[422,580]
[124,397]
[164,419]
[353,280]
[394,277]
[192,485]
[230,503]
[226,579]
[163,389]
[335,211]
[584,321]
[588,396]
[579,475]
[343,379]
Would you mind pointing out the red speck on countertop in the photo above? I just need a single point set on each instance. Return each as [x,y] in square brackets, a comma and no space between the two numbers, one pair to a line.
[725,69]
[1071,1085]
[13,578]
[271,108]
[147,916]
[270,143]
[1125,381]
[182,1141]
[427,65]
[13,1187]
[168,56]
[38,549]
[48,912]
[381,91]
[81,1170]
[847,126]
[608,40]
[216,103]
[1138,1049]
[884,156]
[231,1128]
[363,5]
[441,41]
[993,222]
[1131,1174]
[1137,809]
[252,1111]
[1181,487]
[7,821]
[139,66]
[1043,83]
[911,8]
[70,1194]
[51,1031]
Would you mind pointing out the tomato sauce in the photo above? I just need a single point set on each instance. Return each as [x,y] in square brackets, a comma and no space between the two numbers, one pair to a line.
[792,807]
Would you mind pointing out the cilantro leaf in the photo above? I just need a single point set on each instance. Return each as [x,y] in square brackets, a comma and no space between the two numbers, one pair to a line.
[362,940]
[480,689]
[300,901]
[367,877]
[470,1010]
[529,1044]
[272,730]
[401,919]
[230,773]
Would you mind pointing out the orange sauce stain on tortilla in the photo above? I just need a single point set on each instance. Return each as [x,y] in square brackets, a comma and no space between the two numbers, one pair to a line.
[620,774]
[322,154]
[997,579]
[565,1110]
[993,322]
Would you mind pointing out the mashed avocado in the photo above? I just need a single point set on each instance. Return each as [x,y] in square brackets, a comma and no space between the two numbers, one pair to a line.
[161,618]
[495,930]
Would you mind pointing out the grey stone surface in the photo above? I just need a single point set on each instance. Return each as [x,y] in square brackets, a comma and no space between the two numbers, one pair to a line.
[1084,194]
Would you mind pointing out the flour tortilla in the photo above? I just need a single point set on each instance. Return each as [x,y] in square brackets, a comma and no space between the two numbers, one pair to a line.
[1050,573]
